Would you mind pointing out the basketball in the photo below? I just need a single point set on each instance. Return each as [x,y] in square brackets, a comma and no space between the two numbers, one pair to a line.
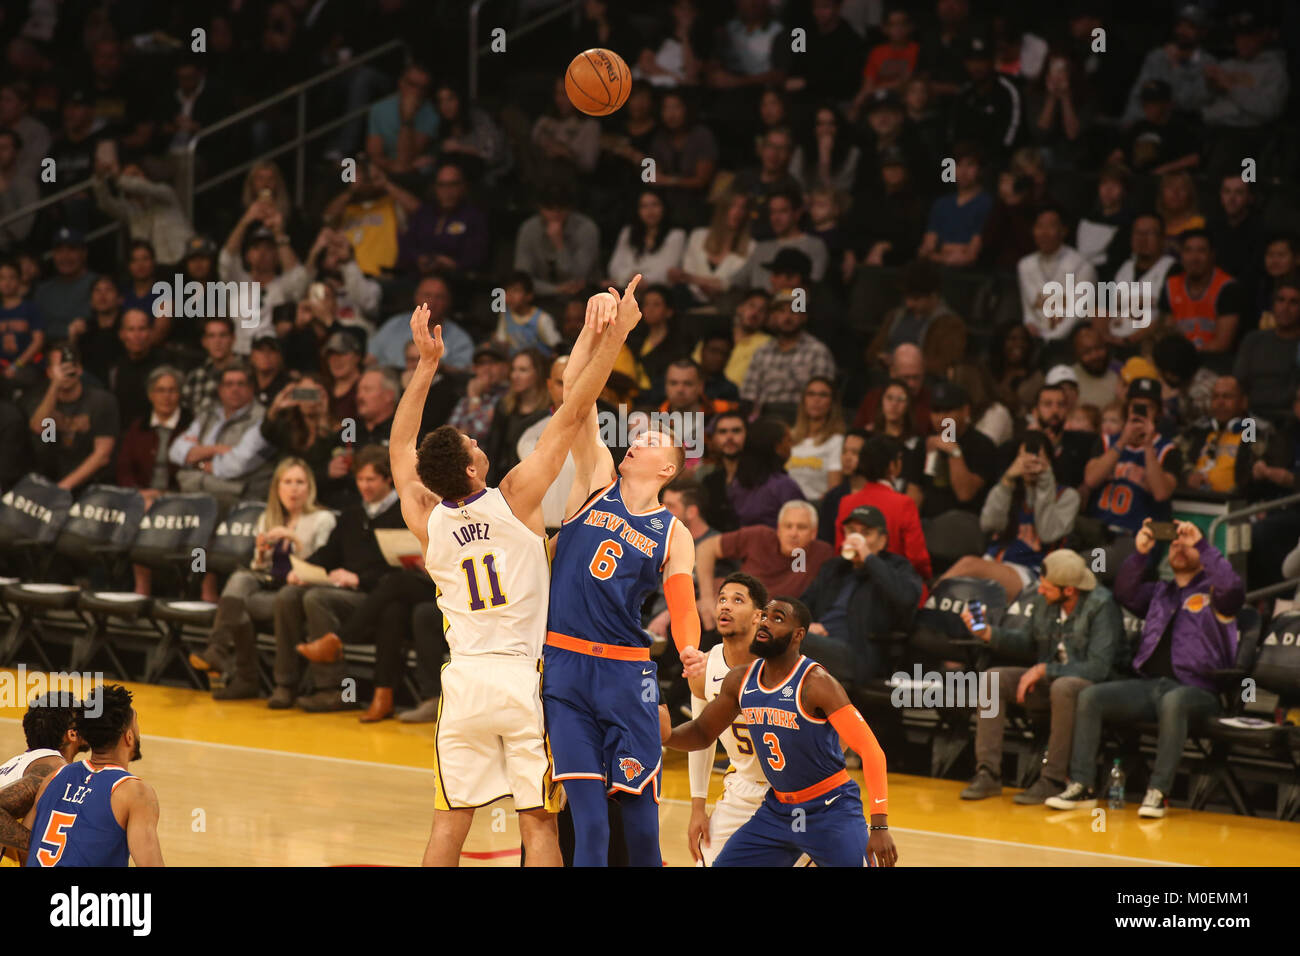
[597,81]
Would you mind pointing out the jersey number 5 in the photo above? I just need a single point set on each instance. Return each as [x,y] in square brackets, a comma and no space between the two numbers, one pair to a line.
[605,563]
[471,581]
[56,833]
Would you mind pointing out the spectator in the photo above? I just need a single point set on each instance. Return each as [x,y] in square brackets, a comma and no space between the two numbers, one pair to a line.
[714,353]
[1203,303]
[1028,512]
[961,462]
[1185,384]
[1237,235]
[556,499]
[200,388]
[558,246]
[649,245]
[262,255]
[378,390]
[1157,144]
[1178,207]
[474,410]
[887,138]
[1248,90]
[566,143]
[368,212]
[1014,364]
[988,110]
[1149,265]
[17,190]
[1053,264]
[526,401]
[880,462]
[990,416]
[1095,374]
[22,333]
[128,376]
[1134,474]
[269,375]
[222,452]
[1008,233]
[65,296]
[298,425]
[1280,260]
[817,438]
[684,388]
[771,176]
[749,52]
[952,234]
[1062,376]
[1180,649]
[1183,64]
[138,290]
[896,418]
[850,450]
[657,342]
[686,157]
[788,554]
[524,325]
[98,335]
[150,210]
[725,446]
[449,233]
[197,100]
[15,107]
[891,64]
[1058,98]
[1221,451]
[832,63]
[387,345]
[943,53]
[332,267]
[717,254]
[72,152]
[748,336]
[293,523]
[401,128]
[1267,364]
[1102,237]
[906,365]
[1072,628]
[781,368]
[828,158]
[352,557]
[82,421]
[924,320]
[784,208]
[1070,450]
[858,598]
[683,50]
[468,136]
[341,367]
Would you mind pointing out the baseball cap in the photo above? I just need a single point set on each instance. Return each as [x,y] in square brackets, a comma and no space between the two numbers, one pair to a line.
[341,342]
[1061,373]
[884,99]
[1156,91]
[69,237]
[489,350]
[1138,367]
[266,341]
[868,516]
[946,396]
[200,246]
[1145,388]
[784,297]
[260,234]
[1066,569]
[790,261]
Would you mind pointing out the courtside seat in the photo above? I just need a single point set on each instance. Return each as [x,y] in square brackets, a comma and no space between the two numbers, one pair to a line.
[32,514]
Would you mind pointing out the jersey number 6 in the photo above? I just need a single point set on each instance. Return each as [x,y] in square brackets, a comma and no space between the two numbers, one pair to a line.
[605,562]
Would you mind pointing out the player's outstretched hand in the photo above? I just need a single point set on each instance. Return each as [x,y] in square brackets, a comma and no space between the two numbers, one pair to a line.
[697,832]
[602,310]
[429,343]
[629,312]
[880,847]
[693,661]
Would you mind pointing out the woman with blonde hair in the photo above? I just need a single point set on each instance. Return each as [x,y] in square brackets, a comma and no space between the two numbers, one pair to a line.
[293,523]
[717,253]
[1177,204]
[817,439]
[265,182]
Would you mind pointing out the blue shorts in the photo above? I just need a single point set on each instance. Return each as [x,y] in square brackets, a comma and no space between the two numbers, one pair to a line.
[830,829]
[602,717]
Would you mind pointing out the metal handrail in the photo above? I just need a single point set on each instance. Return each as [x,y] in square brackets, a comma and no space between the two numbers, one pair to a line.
[1291,584]
[475,51]
[51,200]
[1249,511]
[298,90]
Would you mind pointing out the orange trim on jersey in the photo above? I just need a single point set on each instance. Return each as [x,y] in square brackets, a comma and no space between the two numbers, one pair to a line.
[668,545]
[773,690]
[798,693]
[107,766]
[613,652]
[744,683]
[122,780]
[588,503]
[816,790]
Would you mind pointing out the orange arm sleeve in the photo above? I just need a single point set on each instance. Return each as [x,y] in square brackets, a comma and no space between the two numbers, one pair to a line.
[679,590]
[853,730]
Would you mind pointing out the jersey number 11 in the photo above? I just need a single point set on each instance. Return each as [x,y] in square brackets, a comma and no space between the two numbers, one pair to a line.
[471,581]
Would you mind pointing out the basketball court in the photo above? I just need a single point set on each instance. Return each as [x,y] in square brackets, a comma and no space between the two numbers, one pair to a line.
[242,785]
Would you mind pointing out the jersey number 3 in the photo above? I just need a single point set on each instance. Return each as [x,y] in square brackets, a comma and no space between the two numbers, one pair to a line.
[605,563]
[471,581]
[55,833]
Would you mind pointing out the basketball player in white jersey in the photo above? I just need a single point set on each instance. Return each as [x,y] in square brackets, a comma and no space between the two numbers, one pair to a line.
[52,742]
[485,549]
[739,608]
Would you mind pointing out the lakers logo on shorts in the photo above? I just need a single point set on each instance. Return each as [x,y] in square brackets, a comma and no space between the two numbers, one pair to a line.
[1197,602]
[631,767]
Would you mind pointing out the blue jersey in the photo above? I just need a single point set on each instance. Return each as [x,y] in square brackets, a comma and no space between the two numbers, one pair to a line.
[1124,502]
[74,824]
[796,750]
[607,560]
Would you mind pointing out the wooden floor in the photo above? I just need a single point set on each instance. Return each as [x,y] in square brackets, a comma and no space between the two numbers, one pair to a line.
[241,785]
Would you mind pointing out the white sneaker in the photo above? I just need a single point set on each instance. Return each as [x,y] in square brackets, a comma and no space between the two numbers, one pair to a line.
[1153,804]
[1074,797]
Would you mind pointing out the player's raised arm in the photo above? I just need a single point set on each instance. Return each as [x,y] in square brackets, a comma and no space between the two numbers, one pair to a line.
[717,716]
[679,592]
[141,821]
[417,501]
[822,692]
[529,480]
[593,464]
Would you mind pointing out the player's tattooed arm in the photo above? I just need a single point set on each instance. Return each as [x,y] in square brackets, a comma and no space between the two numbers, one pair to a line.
[15,801]
[717,716]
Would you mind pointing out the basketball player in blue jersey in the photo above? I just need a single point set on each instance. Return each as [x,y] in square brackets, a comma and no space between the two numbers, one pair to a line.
[796,714]
[95,812]
[485,549]
[52,742]
[601,690]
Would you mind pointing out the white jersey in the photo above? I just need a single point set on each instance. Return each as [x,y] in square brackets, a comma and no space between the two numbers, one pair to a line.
[493,577]
[740,749]
[15,767]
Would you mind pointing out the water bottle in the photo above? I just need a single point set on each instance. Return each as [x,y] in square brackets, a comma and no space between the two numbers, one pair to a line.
[1115,789]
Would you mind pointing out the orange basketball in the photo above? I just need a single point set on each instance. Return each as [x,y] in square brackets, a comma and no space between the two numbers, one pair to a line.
[597,81]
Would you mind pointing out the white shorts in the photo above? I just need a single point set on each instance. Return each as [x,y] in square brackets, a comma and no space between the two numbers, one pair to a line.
[490,741]
[740,799]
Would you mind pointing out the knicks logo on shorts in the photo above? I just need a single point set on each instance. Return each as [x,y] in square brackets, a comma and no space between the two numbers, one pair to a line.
[1197,602]
[631,768]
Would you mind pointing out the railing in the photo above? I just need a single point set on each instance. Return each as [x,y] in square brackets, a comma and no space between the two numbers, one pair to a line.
[53,200]
[297,144]
[1250,511]
[475,50]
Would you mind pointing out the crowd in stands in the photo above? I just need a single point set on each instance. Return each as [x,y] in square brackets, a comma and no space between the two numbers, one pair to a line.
[849,247]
